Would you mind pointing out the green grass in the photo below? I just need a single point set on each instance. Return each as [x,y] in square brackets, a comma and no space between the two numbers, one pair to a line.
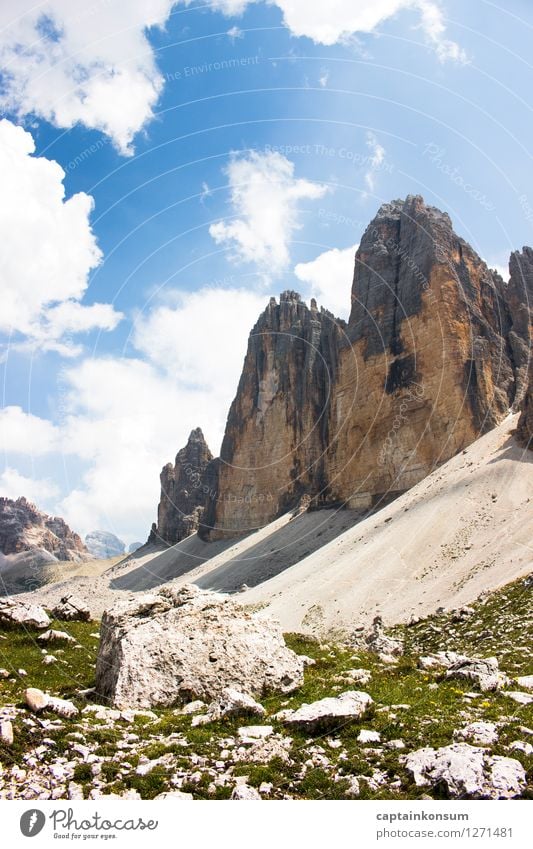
[501,625]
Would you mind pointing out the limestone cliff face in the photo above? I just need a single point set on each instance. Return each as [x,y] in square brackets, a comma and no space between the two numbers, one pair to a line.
[520,300]
[434,354]
[25,528]
[428,367]
[183,492]
[278,425]
[525,423]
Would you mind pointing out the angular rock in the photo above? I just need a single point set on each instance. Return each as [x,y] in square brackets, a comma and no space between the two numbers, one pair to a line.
[519,697]
[62,707]
[464,771]
[243,792]
[329,712]
[182,644]
[482,733]
[71,609]
[367,736]
[255,732]
[525,681]
[440,660]
[23,614]
[377,641]
[483,672]
[53,636]
[232,702]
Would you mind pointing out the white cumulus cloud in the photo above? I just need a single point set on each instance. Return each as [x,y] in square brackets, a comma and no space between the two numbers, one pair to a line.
[47,249]
[337,20]
[24,433]
[126,416]
[91,63]
[265,197]
[14,485]
[329,279]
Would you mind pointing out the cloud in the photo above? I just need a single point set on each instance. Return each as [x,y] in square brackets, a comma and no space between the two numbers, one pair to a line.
[377,158]
[88,63]
[264,197]
[48,249]
[125,417]
[329,278]
[23,433]
[13,485]
[339,20]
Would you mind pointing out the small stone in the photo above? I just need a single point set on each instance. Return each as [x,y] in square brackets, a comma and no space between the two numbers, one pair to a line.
[36,699]
[366,736]
[48,659]
[525,681]
[243,792]
[62,707]
[483,733]
[51,636]
[518,697]
[521,746]
[326,712]
[255,732]
[191,707]
[6,732]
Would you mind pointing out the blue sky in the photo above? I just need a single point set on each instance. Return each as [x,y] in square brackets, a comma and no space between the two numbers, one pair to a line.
[212,155]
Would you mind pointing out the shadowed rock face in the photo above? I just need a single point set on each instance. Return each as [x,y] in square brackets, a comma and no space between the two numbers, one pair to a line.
[25,528]
[520,300]
[525,424]
[183,492]
[431,358]
[278,425]
[434,354]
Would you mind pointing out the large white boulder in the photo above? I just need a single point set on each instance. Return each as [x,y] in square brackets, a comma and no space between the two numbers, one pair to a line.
[465,771]
[329,712]
[20,613]
[484,673]
[182,644]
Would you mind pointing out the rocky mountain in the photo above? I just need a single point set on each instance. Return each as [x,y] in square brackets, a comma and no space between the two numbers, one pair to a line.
[103,544]
[184,490]
[434,354]
[25,528]
[525,424]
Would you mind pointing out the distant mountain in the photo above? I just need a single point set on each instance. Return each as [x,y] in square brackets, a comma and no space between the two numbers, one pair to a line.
[133,546]
[25,528]
[103,544]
